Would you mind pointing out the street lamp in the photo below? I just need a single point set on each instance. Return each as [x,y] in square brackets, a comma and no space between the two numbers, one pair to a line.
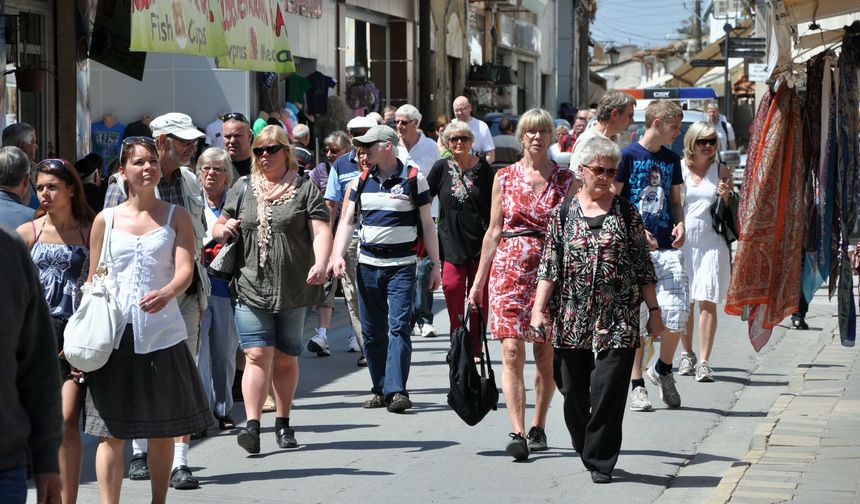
[613,55]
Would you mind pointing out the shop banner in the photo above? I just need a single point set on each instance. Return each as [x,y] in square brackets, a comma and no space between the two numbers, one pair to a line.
[256,36]
[190,27]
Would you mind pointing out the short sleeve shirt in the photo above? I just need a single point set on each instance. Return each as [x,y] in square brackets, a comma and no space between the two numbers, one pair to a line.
[280,284]
[648,178]
[483,138]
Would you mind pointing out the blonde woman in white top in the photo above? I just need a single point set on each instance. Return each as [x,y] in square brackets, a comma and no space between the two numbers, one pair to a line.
[706,254]
[149,387]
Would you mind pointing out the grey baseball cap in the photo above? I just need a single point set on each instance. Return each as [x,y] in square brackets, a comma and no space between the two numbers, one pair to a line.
[380,133]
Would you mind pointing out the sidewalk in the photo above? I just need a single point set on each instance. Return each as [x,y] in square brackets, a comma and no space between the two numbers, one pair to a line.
[807,449]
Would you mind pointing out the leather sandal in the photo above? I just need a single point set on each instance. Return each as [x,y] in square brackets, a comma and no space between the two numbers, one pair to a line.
[182,479]
[226,423]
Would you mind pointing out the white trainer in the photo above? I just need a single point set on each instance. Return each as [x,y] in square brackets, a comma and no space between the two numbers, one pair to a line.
[318,344]
[352,344]
[639,400]
[428,331]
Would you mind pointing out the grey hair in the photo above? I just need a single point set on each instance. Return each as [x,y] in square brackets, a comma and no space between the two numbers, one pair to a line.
[598,147]
[338,138]
[409,111]
[17,133]
[218,154]
[457,126]
[14,166]
[301,131]
[613,100]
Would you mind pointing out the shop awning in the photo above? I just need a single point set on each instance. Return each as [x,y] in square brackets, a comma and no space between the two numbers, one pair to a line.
[803,11]
[688,75]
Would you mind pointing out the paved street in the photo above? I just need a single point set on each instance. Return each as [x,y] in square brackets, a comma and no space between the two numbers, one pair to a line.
[429,455]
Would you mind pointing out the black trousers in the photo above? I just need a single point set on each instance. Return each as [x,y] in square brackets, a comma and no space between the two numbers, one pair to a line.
[595,398]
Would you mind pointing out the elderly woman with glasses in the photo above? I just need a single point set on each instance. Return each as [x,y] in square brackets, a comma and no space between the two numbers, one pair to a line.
[218,337]
[524,194]
[463,184]
[58,239]
[706,254]
[280,211]
[593,275]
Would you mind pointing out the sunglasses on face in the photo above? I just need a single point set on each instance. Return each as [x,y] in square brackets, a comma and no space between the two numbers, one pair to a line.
[706,141]
[182,140]
[235,116]
[462,139]
[270,149]
[599,171]
[401,122]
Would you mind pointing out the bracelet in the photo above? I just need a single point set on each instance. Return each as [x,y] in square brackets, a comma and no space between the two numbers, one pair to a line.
[434,264]
[652,309]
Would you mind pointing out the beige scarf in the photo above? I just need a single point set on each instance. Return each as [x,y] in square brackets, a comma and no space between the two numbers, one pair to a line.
[269,194]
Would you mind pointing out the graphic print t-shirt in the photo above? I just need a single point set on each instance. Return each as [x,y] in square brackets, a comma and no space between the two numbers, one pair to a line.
[107,141]
[648,178]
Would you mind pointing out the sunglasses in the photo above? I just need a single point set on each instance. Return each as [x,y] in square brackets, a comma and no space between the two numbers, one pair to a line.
[599,171]
[706,141]
[270,149]
[402,123]
[54,164]
[134,140]
[462,139]
[238,116]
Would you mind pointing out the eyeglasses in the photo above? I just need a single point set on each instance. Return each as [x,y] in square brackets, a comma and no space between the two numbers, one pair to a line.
[134,140]
[462,139]
[216,169]
[706,141]
[332,149]
[182,140]
[534,133]
[269,149]
[402,123]
[54,164]
[238,116]
[599,171]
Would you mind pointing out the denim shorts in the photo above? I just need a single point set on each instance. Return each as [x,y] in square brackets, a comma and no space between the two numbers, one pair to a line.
[260,328]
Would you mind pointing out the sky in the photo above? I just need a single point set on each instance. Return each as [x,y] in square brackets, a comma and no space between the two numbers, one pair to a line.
[642,22]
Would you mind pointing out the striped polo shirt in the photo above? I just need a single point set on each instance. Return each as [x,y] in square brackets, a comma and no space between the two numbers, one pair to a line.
[389,219]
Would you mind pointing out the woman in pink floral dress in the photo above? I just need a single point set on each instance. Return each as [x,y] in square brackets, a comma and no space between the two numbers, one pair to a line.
[524,195]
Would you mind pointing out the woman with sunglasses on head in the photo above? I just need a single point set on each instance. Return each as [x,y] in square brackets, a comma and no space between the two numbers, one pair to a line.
[285,240]
[707,258]
[150,387]
[58,239]
[524,194]
[463,184]
[597,263]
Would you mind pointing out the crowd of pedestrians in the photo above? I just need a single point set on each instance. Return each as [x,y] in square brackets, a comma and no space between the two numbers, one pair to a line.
[586,264]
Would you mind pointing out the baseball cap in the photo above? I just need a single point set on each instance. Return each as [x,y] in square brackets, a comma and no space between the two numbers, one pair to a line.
[381,133]
[360,123]
[176,124]
[88,164]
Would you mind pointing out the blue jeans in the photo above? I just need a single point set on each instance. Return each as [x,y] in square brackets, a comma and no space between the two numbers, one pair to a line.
[260,328]
[385,295]
[13,485]
[423,310]
[216,360]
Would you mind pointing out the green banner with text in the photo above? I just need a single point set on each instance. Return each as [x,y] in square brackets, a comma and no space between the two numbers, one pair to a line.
[192,27]
[256,36]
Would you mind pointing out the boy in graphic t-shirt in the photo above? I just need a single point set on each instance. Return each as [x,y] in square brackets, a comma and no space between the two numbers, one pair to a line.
[649,175]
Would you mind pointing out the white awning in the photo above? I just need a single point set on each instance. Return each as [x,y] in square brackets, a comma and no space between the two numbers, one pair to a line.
[688,75]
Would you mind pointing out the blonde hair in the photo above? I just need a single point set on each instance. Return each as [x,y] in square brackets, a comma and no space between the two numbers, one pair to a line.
[697,130]
[664,110]
[279,135]
[534,119]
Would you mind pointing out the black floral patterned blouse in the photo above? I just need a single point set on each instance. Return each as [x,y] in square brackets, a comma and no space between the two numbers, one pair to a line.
[595,303]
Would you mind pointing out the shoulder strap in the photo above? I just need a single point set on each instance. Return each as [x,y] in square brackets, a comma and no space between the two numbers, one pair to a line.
[362,180]
[170,214]
[242,191]
[105,253]
[412,179]
[565,210]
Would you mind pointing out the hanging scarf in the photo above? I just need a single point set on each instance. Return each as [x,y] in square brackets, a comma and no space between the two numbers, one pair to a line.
[268,195]
[766,274]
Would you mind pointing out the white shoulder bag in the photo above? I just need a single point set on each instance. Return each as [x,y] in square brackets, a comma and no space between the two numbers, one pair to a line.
[94,329]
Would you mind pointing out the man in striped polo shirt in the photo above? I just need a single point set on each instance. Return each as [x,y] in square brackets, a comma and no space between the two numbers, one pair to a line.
[385,274]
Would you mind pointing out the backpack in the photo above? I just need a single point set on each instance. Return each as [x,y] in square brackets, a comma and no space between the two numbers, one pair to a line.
[412,180]
[471,394]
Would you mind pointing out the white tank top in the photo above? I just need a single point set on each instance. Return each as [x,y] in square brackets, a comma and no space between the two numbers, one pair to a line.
[142,264]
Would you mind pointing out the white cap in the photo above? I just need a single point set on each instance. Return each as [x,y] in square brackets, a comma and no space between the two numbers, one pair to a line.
[177,124]
[360,123]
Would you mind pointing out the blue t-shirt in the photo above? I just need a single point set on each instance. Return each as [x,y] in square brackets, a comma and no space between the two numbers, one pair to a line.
[107,142]
[648,178]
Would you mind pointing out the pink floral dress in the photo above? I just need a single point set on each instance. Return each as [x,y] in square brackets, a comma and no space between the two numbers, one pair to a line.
[513,274]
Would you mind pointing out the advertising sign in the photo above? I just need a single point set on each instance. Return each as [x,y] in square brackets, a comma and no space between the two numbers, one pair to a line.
[178,26]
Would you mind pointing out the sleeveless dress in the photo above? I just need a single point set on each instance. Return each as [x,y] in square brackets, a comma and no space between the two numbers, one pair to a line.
[146,389]
[513,274]
[63,269]
[706,254]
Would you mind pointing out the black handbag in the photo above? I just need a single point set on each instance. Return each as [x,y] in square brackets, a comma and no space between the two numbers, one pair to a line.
[472,394]
[725,217]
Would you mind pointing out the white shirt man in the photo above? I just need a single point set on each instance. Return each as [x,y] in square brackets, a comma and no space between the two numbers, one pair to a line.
[483,142]
[725,131]
[415,148]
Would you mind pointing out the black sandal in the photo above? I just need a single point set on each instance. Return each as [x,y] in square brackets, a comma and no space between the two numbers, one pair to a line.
[182,479]
[226,423]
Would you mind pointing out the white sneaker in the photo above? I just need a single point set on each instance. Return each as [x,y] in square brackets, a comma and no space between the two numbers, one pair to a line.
[416,330]
[352,344]
[319,345]
[704,373]
[428,331]
[639,400]
[687,366]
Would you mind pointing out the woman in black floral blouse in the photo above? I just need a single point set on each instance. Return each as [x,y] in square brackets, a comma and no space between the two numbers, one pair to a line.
[593,276]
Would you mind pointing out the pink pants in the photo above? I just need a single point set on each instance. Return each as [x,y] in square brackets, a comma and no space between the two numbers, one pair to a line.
[456,282]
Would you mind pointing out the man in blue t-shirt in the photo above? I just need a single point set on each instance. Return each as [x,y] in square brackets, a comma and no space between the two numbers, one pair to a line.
[649,175]
[390,206]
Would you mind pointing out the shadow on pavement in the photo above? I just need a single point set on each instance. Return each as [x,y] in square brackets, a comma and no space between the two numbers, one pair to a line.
[232,479]
[408,446]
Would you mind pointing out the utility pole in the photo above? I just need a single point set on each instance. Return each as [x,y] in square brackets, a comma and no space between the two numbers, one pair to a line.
[727,84]
[698,14]
[426,78]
